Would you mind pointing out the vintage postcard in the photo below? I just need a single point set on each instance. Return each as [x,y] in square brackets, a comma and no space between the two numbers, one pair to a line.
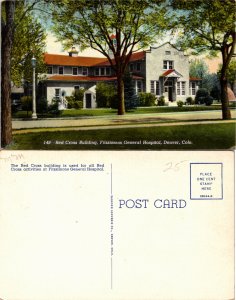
[117,161]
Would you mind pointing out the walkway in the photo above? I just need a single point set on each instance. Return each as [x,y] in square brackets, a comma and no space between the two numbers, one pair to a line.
[125,121]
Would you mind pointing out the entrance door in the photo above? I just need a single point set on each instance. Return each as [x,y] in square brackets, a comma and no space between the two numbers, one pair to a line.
[88,99]
[170,93]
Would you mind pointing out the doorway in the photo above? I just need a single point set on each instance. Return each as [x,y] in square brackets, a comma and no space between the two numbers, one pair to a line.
[88,100]
[170,93]
[168,85]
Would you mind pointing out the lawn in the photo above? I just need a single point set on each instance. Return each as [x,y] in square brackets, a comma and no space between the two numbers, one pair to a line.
[179,137]
[78,113]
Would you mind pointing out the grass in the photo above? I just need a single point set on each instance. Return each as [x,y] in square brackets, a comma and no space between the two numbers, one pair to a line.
[181,137]
[106,111]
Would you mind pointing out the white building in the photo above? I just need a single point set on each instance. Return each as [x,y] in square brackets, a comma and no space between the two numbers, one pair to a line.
[162,71]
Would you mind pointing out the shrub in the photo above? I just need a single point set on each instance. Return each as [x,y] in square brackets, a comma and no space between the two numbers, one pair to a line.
[106,95]
[70,101]
[208,100]
[26,103]
[78,104]
[76,99]
[189,101]
[202,97]
[161,101]
[146,99]
[53,107]
[79,94]
[180,103]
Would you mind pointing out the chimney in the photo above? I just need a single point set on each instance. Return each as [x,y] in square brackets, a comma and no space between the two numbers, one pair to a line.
[73,52]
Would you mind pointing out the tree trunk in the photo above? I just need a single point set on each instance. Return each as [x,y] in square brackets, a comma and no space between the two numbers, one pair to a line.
[121,96]
[7,39]
[226,114]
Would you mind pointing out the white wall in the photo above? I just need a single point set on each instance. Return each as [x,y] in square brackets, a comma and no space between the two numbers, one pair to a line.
[154,65]
[68,87]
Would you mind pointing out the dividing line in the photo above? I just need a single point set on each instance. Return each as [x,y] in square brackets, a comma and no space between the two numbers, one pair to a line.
[111,226]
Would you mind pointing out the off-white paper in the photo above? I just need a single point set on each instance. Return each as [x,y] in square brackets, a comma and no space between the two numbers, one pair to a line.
[117,225]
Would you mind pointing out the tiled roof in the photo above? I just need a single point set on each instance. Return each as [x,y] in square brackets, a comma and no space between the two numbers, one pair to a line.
[194,79]
[138,56]
[64,60]
[167,72]
[85,78]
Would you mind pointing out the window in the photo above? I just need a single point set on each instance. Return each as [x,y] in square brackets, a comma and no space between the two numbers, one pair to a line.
[168,53]
[138,67]
[85,71]
[80,71]
[74,71]
[131,67]
[157,88]
[139,86]
[102,71]
[183,87]
[57,94]
[77,87]
[168,64]
[152,87]
[108,71]
[192,90]
[178,88]
[60,70]
[49,71]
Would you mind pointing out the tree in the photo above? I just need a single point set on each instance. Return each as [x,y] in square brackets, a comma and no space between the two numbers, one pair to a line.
[7,23]
[198,68]
[209,26]
[230,74]
[29,40]
[131,98]
[114,28]
[106,95]
[8,28]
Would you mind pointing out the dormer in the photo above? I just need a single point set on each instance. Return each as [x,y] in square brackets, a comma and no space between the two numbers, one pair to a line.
[73,52]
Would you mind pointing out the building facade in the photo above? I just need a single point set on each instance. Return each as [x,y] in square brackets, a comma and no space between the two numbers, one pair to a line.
[162,71]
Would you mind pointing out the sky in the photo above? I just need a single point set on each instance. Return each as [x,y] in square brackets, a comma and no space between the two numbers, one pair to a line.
[55,47]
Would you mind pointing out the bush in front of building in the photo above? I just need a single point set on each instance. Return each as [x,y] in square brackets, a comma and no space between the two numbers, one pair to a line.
[203,97]
[76,99]
[53,107]
[209,100]
[189,101]
[146,99]
[180,103]
[161,101]
[106,95]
